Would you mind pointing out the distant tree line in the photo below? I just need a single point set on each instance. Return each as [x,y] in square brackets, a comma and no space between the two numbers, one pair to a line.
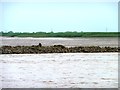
[59,34]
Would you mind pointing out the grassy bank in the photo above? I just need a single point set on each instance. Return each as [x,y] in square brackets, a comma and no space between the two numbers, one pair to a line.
[60,34]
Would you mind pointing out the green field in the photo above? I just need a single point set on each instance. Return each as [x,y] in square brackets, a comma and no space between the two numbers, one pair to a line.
[60,34]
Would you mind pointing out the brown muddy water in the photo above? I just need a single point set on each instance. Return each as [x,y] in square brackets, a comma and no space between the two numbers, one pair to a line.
[28,41]
[59,70]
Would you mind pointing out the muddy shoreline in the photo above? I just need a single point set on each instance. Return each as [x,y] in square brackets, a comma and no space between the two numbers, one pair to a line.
[38,49]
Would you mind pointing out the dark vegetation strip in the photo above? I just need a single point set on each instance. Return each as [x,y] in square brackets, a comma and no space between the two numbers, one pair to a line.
[38,49]
[60,34]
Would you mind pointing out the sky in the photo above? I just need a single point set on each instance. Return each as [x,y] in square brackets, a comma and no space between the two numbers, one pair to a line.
[59,16]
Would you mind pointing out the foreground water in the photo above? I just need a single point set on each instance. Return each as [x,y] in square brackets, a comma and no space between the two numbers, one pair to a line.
[59,70]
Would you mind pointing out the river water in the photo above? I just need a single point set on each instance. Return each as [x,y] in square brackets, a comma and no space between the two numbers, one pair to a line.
[59,70]
[28,41]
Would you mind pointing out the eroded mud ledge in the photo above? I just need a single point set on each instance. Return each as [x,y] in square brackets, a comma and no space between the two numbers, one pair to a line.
[37,49]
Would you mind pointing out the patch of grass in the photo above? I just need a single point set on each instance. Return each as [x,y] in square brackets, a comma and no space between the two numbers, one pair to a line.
[60,34]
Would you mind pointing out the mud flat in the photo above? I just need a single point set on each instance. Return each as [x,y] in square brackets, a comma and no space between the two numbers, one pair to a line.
[69,42]
[65,70]
[38,49]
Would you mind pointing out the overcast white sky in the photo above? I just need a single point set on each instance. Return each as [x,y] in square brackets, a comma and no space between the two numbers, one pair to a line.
[57,16]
